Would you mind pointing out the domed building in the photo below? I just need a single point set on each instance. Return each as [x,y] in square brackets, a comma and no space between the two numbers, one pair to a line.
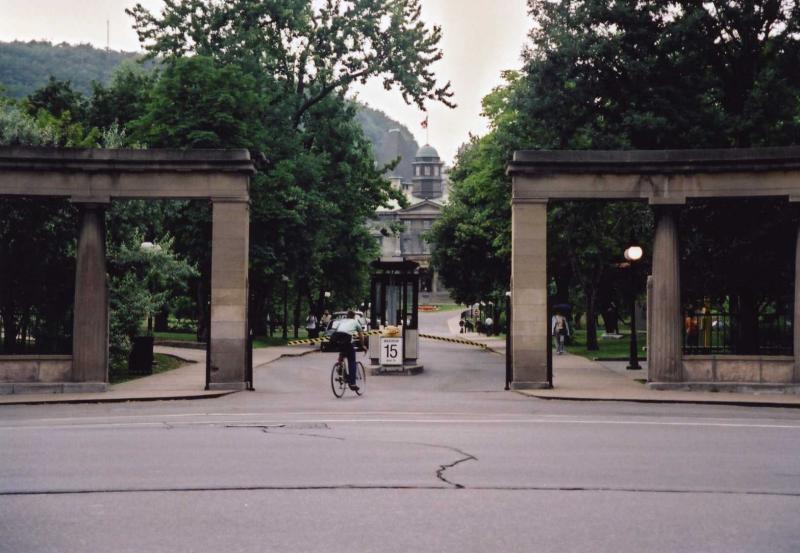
[401,232]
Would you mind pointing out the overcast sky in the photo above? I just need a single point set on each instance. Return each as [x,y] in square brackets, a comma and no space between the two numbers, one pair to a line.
[481,38]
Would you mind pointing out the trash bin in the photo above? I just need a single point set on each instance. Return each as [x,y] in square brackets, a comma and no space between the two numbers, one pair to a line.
[140,360]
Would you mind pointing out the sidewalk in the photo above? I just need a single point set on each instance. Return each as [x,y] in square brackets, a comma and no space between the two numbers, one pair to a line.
[185,382]
[579,379]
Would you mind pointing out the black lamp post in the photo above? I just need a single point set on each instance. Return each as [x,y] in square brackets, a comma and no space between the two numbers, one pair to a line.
[633,254]
[285,280]
[508,340]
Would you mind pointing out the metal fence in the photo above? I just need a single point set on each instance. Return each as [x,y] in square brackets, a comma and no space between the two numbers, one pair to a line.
[718,332]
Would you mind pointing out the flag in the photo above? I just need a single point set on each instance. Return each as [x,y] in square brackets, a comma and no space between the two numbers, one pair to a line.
[425,123]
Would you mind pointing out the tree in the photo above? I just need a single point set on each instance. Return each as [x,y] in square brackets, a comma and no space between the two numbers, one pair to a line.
[48,228]
[312,51]
[473,236]
[317,181]
[199,103]
[142,277]
[666,75]
[123,100]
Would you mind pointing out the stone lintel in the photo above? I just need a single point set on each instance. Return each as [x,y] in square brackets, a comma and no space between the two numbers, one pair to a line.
[89,201]
[654,161]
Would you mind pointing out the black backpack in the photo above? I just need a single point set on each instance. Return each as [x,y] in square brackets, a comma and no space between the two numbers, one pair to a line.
[341,339]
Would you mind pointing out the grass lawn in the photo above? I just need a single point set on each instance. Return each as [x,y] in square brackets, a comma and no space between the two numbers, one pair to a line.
[176,336]
[161,363]
[609,349]
[450,307]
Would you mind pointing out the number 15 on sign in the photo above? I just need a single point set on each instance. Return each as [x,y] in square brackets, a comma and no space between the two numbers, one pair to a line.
[391,351]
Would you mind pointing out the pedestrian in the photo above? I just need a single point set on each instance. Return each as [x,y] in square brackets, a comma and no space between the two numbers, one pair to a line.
[560,329]
[487,326]
[311,325]
[325,320]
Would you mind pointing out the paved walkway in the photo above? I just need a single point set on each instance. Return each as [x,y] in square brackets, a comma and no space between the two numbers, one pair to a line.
[574,378]
[185,382]
[577,378]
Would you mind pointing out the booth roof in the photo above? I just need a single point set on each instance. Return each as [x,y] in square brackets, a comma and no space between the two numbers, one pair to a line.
[404,265]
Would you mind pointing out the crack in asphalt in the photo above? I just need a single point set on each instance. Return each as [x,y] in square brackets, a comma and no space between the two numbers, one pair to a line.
[442,468]
[266,428]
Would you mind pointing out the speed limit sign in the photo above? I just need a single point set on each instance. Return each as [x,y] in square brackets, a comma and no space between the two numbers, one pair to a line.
[391,351]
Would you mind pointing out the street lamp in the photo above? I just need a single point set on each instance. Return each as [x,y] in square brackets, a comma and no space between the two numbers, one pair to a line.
[633,254]
[285,280]
[508,339]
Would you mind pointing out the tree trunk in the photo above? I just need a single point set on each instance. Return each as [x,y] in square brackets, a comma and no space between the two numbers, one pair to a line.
[298,303]
[162,320]
[591,322]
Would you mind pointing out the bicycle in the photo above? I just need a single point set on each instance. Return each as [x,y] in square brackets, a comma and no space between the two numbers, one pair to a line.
[340,374]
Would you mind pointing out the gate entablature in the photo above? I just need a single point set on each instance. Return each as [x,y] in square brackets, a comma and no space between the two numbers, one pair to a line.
[91,178]
[665,179]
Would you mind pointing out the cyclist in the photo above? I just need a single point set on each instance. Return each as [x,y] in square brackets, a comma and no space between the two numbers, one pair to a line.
[345,332]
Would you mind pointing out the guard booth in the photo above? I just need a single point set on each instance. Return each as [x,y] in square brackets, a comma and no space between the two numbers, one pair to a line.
[394,299]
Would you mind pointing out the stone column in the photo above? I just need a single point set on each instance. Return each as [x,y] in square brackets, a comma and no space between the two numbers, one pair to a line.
[796,326]
[90,320]
[665,358]
[529,293]
[229,265]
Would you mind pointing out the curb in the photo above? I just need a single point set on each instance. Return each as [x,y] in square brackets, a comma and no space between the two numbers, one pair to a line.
[727,402]
[194,395]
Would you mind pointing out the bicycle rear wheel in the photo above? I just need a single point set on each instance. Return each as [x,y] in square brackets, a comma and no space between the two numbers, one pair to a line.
[361,378]
[338,379]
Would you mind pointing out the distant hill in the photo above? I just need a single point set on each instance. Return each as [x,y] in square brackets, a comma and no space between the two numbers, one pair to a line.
[390,139]
[26,66]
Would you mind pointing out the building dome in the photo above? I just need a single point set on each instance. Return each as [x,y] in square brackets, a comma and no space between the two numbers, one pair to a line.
[427,151]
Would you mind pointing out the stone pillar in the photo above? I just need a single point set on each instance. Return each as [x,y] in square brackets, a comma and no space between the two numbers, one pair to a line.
[665,358]
[529,294]
[796,326]
[229,265]
[90,320]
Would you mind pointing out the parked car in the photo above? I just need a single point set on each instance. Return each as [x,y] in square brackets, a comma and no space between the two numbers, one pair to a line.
[336,318]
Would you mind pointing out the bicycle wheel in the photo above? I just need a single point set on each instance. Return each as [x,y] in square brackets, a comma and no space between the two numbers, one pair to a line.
[361,378]
[338,379]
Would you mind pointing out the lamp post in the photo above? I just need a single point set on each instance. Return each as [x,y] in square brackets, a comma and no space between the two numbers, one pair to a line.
[633,254]
[327,295]
[285,280]
[508,339]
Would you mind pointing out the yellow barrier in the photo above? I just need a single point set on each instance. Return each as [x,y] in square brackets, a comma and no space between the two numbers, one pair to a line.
[454,340]
[322,340]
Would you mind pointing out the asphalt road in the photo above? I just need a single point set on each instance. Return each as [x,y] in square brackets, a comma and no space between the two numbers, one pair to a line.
[439,462]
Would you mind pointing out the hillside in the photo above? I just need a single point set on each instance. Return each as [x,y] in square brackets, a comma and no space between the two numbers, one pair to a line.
[390,139]
[26,66]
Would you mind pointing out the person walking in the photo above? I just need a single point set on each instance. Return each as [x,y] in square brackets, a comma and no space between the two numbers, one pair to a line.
[560,329]
[311,325]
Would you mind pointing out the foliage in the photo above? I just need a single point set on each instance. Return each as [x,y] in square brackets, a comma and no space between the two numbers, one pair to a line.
[619,75]
[26,66]
[141,281]
[28,225]
[123,100]
[198,103]
[311,51]
[318,181]
[473,236]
